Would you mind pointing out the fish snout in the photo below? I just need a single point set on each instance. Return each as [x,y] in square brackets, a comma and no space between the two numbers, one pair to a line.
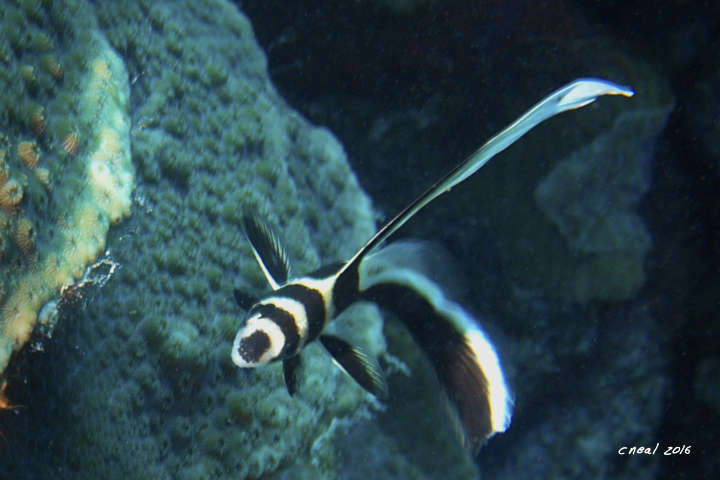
[259,342]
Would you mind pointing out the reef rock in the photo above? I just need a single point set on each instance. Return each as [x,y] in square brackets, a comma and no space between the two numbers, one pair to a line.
[591,197]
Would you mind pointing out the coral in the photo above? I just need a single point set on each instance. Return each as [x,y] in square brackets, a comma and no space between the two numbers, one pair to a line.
[4,169]
[3,249]
[25,235]
[142,377]
[37,120]
[70,143]
[27,152]
[11,193]
[43,176]
[64,231]
[27,72]
[52,65]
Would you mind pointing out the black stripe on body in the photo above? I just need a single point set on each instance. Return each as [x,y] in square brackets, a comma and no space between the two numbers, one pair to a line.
[287,325]
[327,270]
[347,288]
[347,285]
[314,305]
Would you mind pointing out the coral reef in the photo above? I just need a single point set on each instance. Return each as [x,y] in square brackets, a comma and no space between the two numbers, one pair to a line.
[142,385]
[57,209]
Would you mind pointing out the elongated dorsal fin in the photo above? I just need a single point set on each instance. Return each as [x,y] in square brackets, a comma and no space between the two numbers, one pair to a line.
[268,251]
[356,363]
[573,95]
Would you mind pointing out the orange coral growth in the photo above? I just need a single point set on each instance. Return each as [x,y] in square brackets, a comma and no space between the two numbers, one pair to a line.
[4,402]
[27,151]
[25,235]
[71,143]
[10,195]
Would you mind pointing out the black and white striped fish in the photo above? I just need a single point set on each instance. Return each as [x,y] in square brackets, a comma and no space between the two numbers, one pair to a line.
[295,314]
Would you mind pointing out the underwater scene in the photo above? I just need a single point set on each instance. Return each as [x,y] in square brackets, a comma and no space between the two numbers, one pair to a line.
[371,239]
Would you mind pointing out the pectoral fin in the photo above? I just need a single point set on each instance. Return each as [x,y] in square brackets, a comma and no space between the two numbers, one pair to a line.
[290,366]
[356,363]
[268,251]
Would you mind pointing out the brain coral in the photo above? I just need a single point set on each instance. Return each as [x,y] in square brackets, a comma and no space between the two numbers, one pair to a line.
[55,209]
[139,382]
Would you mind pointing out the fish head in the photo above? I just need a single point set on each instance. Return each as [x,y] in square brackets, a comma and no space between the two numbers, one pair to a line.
[259,342]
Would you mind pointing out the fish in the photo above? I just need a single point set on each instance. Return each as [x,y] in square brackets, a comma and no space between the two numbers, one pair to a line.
[295,313]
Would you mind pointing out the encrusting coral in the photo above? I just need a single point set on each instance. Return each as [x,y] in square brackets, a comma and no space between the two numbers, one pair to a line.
[25,235]
[11,193]
[58,205]
[27,152]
